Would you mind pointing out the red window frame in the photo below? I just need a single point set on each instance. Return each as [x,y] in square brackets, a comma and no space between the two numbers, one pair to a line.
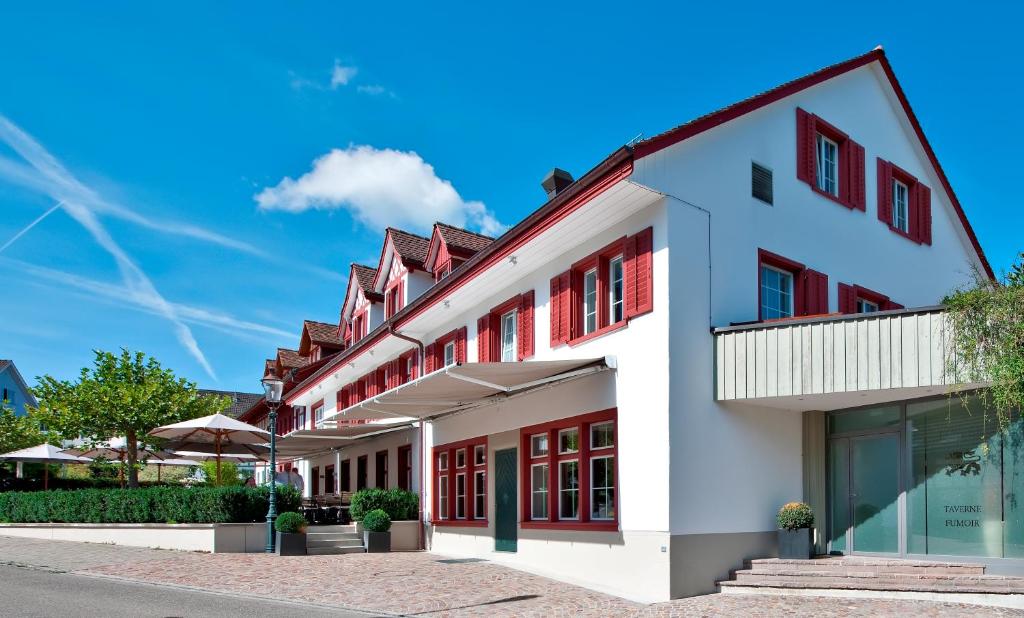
[345,476]
[810,287]
[599,261]
[584,455]
[919,217]
[312,413]
[330,479]
[850,294]
[378,457]
[470,517]
[849,164]
[436,349]
[489,333]
[405,467]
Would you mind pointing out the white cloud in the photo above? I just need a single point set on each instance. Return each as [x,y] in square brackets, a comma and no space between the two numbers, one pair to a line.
[373,89]
[341,75]
[379,188]
[64,187]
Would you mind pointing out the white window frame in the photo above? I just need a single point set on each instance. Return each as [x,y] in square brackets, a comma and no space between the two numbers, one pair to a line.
[827,166]
[479,497]
[568,430]
[479,455]
[318,414]
[594,488]
[459,466]
[900,208]
[590,304]
[547,447]
[594,426]
[616,304]
[782,294]
[442,460]
[562,491]
[449,354]
[867,306]
[546,492]
[442,496]
[508,344]
[460,499]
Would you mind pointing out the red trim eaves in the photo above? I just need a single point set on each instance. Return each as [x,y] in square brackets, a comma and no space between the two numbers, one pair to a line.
[731,112]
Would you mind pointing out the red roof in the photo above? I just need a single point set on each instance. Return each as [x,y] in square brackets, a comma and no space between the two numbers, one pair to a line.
[462,240]
[411,247]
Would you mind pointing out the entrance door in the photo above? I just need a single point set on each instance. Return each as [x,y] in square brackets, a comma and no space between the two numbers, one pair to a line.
[505,500]
[315,484]
[865,494]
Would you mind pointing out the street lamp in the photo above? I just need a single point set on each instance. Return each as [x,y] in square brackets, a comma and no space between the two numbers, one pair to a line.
[272,386]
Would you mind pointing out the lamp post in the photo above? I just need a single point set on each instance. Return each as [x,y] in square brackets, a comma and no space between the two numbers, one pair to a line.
[272,385]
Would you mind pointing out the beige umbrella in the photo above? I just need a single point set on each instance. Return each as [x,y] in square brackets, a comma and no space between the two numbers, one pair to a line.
[216,430]
[44,454]
[116,449]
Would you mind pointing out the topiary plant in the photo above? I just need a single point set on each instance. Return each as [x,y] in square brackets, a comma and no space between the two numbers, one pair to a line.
[794,516]
[376,521]
[290,523]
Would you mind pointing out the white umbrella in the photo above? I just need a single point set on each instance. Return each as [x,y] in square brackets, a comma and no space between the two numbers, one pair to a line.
[43,453]
[216,430]
[116,449]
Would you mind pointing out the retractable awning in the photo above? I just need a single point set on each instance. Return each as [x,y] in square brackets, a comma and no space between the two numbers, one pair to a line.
[311,441]
[468,385]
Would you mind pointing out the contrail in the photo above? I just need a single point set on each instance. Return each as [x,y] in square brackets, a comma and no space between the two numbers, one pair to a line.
[31,225]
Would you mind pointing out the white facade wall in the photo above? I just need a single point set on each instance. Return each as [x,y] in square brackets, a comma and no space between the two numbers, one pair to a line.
[371,446]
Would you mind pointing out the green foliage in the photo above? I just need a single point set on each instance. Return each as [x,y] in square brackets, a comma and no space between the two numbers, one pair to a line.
[794,516]
[146,505]
[121,395]
[228,473]
[399,504]
[987,322]
[290,523]
[18,432]
[376,520]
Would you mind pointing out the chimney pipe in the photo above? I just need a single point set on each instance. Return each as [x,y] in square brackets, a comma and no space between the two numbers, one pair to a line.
[556,180]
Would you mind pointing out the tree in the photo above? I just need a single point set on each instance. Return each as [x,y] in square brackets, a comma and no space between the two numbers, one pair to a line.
[121,395]
[228,473]
[18,432]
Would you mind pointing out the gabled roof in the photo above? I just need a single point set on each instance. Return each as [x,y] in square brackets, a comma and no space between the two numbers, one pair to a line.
[7,365]
[360,277]
[240,402]
[318,333]
[730,112]
[461,239]
[290,359]
[291,380]
[269,366]
[410,248]
[364,276]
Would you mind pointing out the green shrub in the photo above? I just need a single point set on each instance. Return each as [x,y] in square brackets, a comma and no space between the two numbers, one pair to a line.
[376,521]
[228,473]
[795,515]
[399,504]
[290,522]
[146,505]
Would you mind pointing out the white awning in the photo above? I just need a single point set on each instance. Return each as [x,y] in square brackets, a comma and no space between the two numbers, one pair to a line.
[468,385]
[310,441]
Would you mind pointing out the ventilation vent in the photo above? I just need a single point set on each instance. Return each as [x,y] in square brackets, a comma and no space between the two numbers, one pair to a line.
[761,182]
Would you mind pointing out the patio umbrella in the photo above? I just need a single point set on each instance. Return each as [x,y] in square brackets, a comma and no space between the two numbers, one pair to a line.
[117,449]
[44,454]
[216,430]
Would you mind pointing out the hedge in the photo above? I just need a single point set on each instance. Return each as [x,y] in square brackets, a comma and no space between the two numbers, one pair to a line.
[183,505]
[36,484]
[399,504]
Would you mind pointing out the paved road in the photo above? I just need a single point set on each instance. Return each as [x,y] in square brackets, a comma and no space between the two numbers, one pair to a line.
[32,593]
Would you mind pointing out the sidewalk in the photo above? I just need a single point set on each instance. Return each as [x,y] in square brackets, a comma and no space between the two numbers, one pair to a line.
[422,584]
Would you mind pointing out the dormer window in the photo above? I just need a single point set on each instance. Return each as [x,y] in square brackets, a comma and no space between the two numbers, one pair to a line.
[393,300]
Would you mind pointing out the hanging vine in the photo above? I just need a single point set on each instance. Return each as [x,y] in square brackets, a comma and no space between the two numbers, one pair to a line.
[987,320]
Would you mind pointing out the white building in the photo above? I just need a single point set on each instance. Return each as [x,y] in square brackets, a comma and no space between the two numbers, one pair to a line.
[622,389]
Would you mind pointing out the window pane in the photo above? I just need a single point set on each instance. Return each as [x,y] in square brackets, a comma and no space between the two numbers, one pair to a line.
[479,455]
[539,445]
[602,435]
[539,492]
[479,495]
[568,490]
[508,337]
[460,496]
[866,306]
[460,458]
[449,354]
[828,164]
[900,206]
[569,440]
[442,461]
[776,293]
[442,497]
[615,289]
[590,302]
[602,483]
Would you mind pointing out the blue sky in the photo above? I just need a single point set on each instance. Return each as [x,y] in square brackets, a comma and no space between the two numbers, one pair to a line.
[175,127]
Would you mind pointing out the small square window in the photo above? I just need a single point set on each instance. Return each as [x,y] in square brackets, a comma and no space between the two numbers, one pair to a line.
[479,455]
[539,445]
[866,306]
[569,440]
[442,461]
[602,435]
[460,458]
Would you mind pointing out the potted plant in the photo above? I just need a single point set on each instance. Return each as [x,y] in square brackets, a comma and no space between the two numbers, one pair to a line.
[376,532]
[291,534]
[796,531]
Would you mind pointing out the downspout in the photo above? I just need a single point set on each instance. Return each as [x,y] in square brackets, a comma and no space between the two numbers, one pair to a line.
[423,436]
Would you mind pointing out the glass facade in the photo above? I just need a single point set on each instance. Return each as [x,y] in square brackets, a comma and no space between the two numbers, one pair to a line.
[931,477]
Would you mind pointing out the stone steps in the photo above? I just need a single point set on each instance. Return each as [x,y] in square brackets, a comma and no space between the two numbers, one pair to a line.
[872,565]
[321,551]
[321,540]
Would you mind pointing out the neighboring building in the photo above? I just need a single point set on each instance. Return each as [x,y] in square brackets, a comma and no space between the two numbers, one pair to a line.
[622,389]
[240,402]
[14,392]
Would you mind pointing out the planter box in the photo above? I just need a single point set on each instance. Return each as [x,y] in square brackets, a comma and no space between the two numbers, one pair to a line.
[377,542]
[405,534]
[796,544]
[290,544]
[214,538]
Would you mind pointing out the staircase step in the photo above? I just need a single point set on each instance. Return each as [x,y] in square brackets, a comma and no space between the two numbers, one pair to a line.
[322,551]
[332,528]
[976,584]
[332,536]
[872,565]
[342,543]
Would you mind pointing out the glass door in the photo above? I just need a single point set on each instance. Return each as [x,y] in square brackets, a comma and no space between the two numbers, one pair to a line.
[864,508]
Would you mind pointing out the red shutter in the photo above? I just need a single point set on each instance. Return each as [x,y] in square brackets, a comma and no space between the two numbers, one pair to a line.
[554,306]
[643,277]
[805,131]
[847,299]
[855,171]
[629,275]
[483,339]
[524,330]
[884,192]
[428,364]
[888,305]
[400,297]
[460,345]
[924,214]
[814,290]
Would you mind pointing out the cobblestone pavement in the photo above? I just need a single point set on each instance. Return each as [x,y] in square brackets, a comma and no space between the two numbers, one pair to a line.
[423,584]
